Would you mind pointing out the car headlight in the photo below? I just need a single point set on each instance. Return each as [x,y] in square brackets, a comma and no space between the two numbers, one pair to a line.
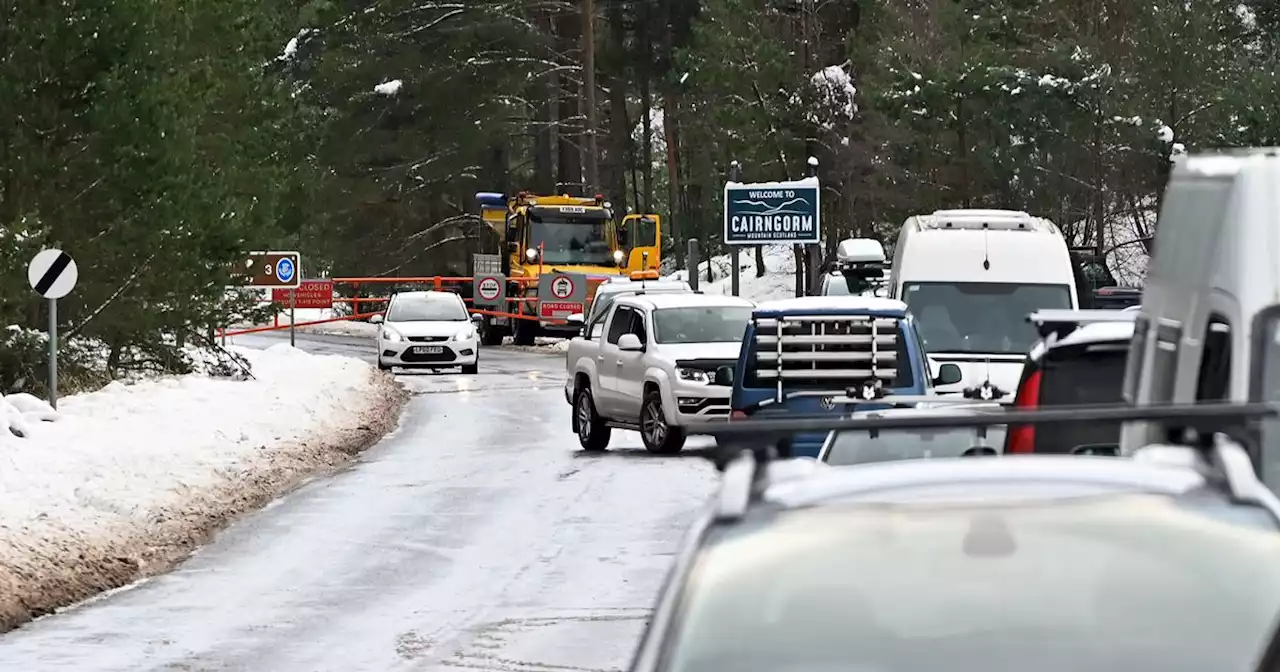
[618,256]
[693,375]
[465,335]
[388,335]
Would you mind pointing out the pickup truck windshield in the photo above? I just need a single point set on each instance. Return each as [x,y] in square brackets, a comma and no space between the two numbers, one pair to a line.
[982,318]
[570,240]
[701,324]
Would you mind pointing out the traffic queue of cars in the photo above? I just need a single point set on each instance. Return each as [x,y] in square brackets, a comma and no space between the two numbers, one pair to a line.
[1149,537]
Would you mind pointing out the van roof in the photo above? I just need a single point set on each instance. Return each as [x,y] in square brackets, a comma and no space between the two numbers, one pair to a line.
[978,220]
[833,304]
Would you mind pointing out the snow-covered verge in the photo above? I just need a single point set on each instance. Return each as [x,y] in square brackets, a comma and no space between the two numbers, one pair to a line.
[121,483]
[778,281]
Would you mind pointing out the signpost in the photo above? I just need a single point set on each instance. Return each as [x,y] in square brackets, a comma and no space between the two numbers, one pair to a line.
[53,274]
[279,271]
[561,295]
[772,213]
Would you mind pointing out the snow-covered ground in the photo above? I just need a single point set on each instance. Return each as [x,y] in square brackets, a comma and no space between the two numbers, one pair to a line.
[119,483]
[778,281]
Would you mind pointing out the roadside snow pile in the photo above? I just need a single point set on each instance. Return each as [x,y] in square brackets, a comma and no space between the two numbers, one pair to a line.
[778,281]
[120,483]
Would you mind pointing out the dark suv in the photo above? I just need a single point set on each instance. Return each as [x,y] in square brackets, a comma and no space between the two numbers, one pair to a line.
[1080,361]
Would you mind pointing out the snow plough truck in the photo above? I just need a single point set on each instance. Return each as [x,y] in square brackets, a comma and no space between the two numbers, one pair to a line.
[575,238]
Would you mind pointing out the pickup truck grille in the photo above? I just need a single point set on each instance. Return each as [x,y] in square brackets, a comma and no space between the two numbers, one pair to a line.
[830,351]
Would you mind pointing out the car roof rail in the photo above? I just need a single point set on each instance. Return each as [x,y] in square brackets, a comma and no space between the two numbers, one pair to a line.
[747,447]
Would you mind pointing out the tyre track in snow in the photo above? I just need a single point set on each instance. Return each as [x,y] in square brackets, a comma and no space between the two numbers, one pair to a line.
[475,537]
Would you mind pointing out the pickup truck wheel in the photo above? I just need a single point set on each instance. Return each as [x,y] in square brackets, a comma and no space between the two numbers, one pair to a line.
[593,434]
[659,437]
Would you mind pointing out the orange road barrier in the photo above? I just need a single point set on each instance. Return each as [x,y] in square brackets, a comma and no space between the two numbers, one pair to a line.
[437,283]
[222,333]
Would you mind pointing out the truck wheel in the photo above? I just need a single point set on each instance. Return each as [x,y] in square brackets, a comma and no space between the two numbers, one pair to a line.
[490,334]
[523,332]
[593,434]
[659,437]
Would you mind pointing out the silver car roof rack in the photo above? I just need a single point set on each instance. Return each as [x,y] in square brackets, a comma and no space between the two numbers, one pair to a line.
[747,447]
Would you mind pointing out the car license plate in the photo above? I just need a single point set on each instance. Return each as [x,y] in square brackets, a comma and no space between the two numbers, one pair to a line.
[428,349]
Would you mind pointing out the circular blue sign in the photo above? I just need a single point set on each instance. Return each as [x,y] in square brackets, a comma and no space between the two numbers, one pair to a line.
[284,270]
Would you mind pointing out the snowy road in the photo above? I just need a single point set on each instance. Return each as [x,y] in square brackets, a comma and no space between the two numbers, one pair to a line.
[476,537]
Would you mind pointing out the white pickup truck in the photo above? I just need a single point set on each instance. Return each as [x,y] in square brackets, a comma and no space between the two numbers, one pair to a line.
[662,361]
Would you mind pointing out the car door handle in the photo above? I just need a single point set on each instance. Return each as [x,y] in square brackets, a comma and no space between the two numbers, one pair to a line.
[619,362]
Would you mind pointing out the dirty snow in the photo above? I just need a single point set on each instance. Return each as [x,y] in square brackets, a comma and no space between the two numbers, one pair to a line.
[106,488]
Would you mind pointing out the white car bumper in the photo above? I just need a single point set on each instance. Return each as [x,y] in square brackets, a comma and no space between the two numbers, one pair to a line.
[428,354]
[686,404]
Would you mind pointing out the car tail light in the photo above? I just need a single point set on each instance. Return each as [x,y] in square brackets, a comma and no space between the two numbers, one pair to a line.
[738,415]
[1022,438]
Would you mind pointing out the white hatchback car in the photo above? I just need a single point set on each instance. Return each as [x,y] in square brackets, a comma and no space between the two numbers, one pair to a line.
[427,330]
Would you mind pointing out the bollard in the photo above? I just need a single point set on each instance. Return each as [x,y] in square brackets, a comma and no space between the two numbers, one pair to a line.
[692,263]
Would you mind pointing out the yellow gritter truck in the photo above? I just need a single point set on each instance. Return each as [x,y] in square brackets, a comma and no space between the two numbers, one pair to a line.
[562,234]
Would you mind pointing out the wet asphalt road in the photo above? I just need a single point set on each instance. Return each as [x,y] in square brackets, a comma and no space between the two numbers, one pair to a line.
[477,536]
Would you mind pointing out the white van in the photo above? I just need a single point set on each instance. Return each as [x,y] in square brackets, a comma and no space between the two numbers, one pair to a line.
[1209,324]
[971,277]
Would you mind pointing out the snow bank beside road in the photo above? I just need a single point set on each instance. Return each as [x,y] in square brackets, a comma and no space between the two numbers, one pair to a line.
[124,481]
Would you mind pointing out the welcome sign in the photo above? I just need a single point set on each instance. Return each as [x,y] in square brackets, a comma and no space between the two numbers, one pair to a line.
[772,213]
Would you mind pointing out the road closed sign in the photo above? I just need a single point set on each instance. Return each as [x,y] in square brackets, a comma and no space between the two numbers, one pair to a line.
[561,295]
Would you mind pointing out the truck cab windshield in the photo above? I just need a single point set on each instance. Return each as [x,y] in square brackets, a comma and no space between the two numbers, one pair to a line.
[984,318]
[570,240]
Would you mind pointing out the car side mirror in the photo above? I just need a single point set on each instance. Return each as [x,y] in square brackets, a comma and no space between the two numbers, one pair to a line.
[477,318]
[630,343]
[576,318]
[376,319]
[948,374]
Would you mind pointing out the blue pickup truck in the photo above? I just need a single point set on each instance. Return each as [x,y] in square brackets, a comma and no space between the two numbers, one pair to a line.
[799,356]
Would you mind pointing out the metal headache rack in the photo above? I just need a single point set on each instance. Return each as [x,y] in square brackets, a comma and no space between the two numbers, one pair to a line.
[828,351]
[751,452]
